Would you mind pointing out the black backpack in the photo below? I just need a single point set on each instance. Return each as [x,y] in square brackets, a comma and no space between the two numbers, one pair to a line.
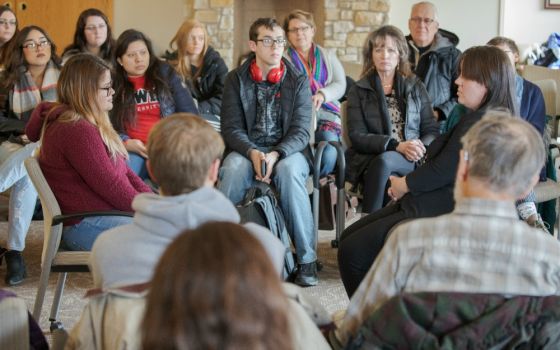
[260,206]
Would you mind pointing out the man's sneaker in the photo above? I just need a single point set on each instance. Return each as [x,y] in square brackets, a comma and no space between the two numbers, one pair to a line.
[540,224]
[307,275]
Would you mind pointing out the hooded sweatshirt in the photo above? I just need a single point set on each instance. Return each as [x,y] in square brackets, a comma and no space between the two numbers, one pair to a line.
[128,254]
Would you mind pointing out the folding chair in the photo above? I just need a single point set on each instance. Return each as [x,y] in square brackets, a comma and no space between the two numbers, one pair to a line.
[53,260]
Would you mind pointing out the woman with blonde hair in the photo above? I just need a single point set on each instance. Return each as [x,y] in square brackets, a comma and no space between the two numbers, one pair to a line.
[201,68]
[82,156]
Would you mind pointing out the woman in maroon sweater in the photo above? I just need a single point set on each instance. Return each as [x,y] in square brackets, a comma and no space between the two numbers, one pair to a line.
[82,156]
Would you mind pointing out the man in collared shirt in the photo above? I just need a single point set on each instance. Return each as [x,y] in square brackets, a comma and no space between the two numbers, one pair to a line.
[482,246]
[434,57]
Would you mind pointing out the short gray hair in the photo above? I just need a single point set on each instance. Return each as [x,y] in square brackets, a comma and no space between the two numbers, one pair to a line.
[429,4]
[505,151]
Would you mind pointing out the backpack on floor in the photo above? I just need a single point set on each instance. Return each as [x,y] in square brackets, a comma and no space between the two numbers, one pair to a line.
[260,206]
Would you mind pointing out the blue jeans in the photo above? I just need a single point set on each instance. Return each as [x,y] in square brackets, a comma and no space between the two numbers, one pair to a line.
[137,164]
[289,176]
[328,161]
[82,235]
[23,196]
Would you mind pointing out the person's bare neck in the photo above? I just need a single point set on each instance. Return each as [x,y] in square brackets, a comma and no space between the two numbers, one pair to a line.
[94,50]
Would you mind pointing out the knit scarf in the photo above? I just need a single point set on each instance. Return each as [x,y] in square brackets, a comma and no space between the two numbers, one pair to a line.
[26,95]
[316,71]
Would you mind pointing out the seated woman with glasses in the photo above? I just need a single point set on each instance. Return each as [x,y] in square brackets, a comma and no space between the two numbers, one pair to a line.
[93,35]
[81,155]
[30,77]
[390,117]
[201,68]
[326,79]
[8,30]
[146,90]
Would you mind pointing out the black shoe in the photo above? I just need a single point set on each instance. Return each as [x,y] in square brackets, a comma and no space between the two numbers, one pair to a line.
[16,268]
[307,275]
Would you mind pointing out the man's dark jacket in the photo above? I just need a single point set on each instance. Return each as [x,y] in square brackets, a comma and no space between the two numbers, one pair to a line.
[438,69]
[239,109]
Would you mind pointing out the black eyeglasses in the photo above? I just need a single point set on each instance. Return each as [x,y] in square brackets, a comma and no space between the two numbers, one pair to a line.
[268,42]
[32,45]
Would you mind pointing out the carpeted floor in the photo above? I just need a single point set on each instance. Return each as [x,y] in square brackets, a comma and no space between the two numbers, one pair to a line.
[329,292]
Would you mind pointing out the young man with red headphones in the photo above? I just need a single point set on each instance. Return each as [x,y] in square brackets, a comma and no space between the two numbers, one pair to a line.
[266,116]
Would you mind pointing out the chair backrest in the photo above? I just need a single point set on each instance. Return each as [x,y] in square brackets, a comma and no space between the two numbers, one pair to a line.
[53,234]
[536,73]
[549,88]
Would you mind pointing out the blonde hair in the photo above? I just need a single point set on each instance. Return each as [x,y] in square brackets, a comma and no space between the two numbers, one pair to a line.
[78,88]
[181,149]
[303,16]
[183,64]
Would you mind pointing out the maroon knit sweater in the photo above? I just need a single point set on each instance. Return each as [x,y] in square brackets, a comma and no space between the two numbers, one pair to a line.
[78,167]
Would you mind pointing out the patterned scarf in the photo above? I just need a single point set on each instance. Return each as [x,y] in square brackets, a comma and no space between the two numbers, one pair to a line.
[316,71]
[26,95]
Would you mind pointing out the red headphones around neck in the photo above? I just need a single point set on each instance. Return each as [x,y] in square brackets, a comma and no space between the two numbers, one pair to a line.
[274,76]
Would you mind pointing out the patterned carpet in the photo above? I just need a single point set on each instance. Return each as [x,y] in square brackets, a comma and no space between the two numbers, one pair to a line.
[329,292]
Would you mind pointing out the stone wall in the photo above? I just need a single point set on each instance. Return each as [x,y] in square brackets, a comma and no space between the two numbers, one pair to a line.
[347,24]
[217,15]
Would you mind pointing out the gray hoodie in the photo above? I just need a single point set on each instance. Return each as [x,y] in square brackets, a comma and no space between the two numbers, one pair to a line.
[128,254]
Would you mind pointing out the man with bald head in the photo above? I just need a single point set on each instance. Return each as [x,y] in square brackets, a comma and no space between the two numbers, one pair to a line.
[434,57]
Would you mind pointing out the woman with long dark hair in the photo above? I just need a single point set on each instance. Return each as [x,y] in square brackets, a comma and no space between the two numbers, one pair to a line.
[92,35]
[30,77]
[486,80]
[146,90]
[8,31]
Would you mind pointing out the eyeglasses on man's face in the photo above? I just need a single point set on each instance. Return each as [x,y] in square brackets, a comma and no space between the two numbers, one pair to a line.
[420,20]
[33,45]
[10,22]
[303,29]
[268,42]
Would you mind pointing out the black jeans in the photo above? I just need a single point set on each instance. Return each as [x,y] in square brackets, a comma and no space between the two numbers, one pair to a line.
[361,243]
[377,175]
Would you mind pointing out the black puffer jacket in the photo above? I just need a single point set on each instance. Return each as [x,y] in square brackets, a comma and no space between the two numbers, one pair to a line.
[239,110]
[209,86]
[438,69]
[369,123]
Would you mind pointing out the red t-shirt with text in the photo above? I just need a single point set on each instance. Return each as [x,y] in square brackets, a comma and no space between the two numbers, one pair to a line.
[147,110]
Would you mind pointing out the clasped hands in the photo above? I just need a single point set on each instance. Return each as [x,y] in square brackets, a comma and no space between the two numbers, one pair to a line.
[412,150]
[270,159]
